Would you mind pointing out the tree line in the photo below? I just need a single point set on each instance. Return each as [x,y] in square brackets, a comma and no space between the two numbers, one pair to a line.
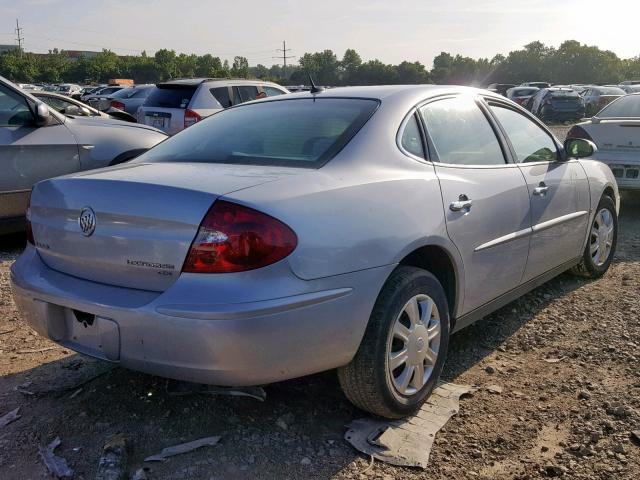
[571,62]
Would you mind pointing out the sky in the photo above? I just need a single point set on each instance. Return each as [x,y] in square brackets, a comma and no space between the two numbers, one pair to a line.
[391,31]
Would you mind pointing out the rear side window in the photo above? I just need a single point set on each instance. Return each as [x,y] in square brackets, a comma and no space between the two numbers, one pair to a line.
[411,138]
[530,142]
[460,133]
[625,107]
[297,133]
[272,91]
[170,97]
[247,93]
[222,95]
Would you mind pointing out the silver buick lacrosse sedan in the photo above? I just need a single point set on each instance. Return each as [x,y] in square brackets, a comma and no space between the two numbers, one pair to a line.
[351,229]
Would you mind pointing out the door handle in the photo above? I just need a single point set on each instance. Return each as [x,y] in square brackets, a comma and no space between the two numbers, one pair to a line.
[463,204]
[541,189]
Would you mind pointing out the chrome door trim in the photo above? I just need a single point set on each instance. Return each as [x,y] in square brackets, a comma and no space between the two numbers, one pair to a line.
[9,192]
[558,220]
[504,239]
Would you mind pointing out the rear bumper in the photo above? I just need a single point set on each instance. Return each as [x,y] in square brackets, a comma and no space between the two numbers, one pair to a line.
[551,114]
[625,168]
[173,335]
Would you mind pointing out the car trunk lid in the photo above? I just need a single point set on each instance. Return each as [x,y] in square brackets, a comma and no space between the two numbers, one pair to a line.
[145,218]
[616,135]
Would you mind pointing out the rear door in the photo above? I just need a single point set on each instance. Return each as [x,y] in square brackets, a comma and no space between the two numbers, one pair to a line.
[486,199]
[558,191]
[29,153]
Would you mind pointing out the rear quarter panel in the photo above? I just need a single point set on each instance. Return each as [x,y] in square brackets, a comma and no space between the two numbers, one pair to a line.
[600,178]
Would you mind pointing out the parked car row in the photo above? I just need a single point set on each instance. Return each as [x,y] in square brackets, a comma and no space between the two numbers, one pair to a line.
[38,142]
[564,102]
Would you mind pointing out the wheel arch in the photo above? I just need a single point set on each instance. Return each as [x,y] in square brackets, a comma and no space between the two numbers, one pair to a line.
[128,155]
[442,264]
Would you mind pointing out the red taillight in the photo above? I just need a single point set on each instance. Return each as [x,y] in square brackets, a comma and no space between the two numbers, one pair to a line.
[117,104]
[190,117]
[234,238]
[578,132]
[29,229]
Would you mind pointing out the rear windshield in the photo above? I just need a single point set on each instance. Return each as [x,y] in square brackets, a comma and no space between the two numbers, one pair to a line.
[170,97]
[525,91]
[625,107]
[564,93]
[296,133]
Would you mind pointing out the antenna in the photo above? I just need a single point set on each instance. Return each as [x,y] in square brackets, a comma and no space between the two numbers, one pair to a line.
[314,87]
[19,38]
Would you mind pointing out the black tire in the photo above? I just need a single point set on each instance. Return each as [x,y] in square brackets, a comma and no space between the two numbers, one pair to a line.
[365,381]
[587,267]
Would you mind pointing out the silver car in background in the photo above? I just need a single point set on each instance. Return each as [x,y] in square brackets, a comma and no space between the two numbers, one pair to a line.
[353,228]
[616,132]
[128,99]
[38,143]
[177,104]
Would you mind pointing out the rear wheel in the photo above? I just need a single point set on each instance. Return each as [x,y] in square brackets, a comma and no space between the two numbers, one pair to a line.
[404,347]
[601,245]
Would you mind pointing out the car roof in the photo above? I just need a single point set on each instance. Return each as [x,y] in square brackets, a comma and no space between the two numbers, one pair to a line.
[409,94]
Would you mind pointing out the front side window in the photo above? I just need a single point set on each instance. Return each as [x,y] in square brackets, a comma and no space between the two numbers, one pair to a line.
[530,142]
[411,138]
[296,133]
[460,133]
[14,110]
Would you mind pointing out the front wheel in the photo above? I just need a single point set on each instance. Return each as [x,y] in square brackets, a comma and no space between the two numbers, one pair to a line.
[601,245]
[404,347]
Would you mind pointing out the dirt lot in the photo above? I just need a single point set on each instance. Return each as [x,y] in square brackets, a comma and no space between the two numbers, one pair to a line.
[567,357]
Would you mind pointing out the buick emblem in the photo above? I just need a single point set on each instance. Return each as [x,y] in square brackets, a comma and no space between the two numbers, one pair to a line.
[87,221]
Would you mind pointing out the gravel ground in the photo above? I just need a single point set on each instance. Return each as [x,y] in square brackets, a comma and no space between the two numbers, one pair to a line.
[567,357]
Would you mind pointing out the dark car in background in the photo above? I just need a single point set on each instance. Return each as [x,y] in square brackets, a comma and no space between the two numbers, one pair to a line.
[596,98]
[557,104]
[500,88]
[520,95]
[108,90]
[128,99]
[536,84]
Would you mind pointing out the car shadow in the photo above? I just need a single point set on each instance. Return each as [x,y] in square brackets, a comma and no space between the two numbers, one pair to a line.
[296,433]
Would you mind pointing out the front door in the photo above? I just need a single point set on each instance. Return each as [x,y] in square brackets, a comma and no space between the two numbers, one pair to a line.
[558,191]
[29,153]
[485,198]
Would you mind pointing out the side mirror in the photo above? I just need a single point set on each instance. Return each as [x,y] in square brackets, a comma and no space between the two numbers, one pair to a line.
[579,148]
[42,114]
[77,111]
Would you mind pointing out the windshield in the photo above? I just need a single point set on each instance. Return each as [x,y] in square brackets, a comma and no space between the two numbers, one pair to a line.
[625,107]
[296,133]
